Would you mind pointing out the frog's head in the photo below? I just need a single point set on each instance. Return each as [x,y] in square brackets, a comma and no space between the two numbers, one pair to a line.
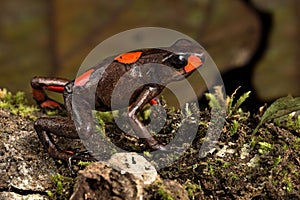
[185,58]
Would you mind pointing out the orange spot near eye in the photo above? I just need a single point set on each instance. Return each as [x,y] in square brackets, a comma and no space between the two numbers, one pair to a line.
[128,58]
[193,63]
[81,80]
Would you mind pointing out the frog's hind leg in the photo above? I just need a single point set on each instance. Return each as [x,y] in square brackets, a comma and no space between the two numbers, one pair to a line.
[41,84]
[59,126]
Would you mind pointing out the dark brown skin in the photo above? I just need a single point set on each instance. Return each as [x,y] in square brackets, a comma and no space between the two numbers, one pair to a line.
[183,61]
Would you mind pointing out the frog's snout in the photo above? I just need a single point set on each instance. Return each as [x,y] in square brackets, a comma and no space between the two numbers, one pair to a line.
[194,61]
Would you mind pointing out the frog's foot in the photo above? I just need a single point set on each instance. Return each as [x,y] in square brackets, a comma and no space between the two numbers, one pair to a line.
[159,147]
[155,145]
[79,156]
[167,149]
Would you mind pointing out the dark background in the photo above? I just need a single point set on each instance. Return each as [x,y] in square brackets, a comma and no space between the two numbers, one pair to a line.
[52,37]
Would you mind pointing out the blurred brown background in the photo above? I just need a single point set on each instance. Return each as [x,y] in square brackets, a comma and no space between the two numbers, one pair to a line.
[53,37]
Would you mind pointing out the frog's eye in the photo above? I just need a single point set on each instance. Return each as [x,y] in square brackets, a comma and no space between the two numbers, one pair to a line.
[178,61]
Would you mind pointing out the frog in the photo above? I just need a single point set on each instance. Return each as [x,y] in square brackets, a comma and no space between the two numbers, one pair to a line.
[183,56]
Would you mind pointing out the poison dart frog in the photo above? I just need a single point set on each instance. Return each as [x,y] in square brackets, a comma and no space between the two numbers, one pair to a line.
[183,56]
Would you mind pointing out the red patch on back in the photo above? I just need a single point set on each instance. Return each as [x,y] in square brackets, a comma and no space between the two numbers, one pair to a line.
[128,58]
[193,63]
[82,79]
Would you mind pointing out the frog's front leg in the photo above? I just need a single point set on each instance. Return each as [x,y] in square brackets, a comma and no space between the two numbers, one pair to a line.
[147,94]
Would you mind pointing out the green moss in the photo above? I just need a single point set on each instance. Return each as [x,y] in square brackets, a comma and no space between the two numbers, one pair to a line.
[285,147]
[17,104]
[227,165]
[234,127]
[62,186]
[164,194]
[234,176]
[289,186]
[84,163]
[159,191]
[147,154]
[213,101]
[290,121]
[264,147]
[298,122]
[296,144]
[253,142]
[106,117]
[211,169]
[235,114]
[233,109]
[192,189]
[277,160]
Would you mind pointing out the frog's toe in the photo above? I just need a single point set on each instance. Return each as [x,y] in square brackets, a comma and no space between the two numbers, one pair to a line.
[159,147]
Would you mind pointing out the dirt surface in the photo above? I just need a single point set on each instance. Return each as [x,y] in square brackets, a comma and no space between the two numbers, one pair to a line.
[243,166]
[25,168]
[21,158]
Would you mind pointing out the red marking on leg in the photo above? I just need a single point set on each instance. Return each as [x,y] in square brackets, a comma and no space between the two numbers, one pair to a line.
[38,95]
[154,102]
[68,152]
[55,88]
[82,79]
[50,104]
